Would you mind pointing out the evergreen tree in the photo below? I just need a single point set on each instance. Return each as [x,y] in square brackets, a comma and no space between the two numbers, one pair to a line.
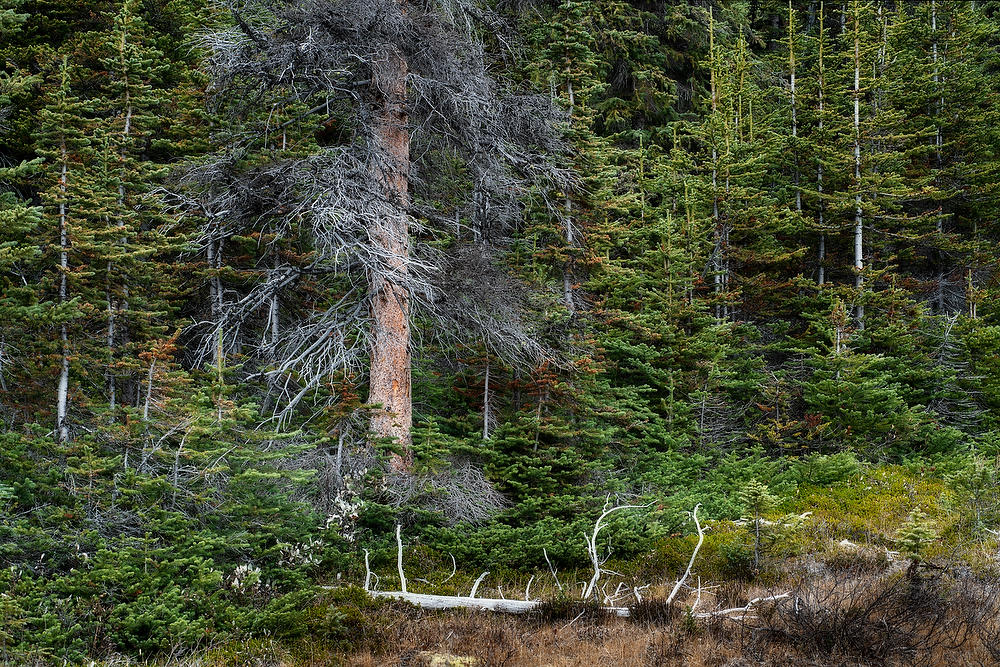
[63,142]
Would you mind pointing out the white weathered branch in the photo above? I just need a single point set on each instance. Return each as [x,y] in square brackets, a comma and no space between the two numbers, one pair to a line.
[694,554]
[475,586]
[428,601]
[454,569]
[591,543]
[552,569]
[741,610]
[399,558]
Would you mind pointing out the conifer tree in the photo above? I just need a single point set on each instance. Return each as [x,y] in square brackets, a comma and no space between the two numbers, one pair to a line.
[131,122]
[18,220]
[389,272]
[63,142]
[859,245]
[10,19]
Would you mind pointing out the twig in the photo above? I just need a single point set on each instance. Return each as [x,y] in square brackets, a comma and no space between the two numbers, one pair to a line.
[551,569]
[454,569]
[578,616]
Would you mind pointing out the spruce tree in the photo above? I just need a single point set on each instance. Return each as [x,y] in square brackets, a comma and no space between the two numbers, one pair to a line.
[63,142]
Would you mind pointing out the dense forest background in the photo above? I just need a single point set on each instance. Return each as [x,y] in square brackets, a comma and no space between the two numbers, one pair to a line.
[661,251]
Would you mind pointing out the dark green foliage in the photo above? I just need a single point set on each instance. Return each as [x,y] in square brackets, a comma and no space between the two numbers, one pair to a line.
[693,301]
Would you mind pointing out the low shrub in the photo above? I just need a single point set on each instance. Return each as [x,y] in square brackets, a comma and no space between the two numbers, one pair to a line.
[883,618]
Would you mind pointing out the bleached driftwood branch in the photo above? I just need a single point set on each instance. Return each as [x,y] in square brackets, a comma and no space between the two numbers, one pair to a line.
[399,558]
[591,543]
[742,611]
[552,569]
[475,586]
[694,554]
[454,569]
[430,601]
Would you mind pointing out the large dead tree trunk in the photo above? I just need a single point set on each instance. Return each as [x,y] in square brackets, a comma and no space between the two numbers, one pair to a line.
[391,72]
[389,386]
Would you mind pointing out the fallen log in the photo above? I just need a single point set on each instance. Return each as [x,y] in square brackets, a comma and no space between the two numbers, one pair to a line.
[429,601]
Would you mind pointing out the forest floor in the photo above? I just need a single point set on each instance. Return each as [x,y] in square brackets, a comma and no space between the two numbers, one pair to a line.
[836,554]
[866,612]
[873,626]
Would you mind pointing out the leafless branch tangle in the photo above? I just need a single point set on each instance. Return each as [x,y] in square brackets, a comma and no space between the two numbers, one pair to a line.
[325,56]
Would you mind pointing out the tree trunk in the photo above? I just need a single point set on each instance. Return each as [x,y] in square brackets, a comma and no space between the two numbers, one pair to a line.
[214,256]
[795,115]
[940,296]
[819,162]
[859,264]
[717,242]
[62,394]
[486,403]
[570,240]
[389,385]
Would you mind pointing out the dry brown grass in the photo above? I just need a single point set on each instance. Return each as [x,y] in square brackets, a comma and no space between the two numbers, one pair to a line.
[858,617]
[869,614]
[495,640]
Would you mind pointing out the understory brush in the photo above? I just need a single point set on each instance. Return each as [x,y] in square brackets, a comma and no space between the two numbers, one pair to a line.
[861,616]
[859,551]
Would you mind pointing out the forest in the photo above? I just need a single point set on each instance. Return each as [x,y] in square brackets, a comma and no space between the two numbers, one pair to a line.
[499,332]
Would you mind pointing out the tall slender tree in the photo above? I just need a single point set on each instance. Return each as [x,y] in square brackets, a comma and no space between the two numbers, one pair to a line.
[62,135]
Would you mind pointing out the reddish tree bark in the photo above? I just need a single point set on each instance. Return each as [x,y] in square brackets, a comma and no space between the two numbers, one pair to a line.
[389,385]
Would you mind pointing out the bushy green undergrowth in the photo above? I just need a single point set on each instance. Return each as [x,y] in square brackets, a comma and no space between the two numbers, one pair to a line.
[179,589]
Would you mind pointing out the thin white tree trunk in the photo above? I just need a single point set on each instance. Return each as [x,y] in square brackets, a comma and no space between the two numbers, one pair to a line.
[149,389]
[570,239]
[62,393]
[3,359]
[937,153]
[859,246]
[486,403]
[110,373]
[795,118]
[694,555]
[273,329]
[273,317]
[819,162]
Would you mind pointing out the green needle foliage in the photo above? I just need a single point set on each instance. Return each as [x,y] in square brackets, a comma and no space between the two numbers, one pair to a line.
[690,319]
